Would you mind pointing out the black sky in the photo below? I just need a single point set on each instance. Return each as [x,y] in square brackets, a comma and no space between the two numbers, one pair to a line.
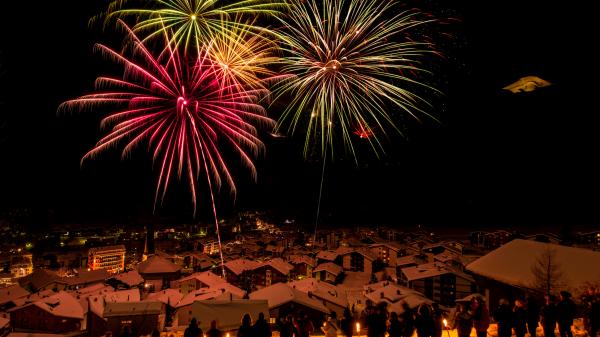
[496,158]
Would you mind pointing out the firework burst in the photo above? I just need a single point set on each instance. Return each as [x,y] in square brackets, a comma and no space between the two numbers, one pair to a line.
[180,108]
[191,23]
[243,58]
[349,63]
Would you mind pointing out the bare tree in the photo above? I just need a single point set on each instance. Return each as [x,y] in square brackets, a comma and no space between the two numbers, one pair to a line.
[547,273]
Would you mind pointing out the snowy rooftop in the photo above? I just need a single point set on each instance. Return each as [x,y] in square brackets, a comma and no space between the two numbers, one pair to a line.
[327,255]
[323,290]
[329,267]
[297,259]
[133,308]
[208,278]
[279,264]
[511,263]
[240,265]
[167,296]
[281,293]
[10,293]
[130,278]
[431,270]
[157,265]
[61,304]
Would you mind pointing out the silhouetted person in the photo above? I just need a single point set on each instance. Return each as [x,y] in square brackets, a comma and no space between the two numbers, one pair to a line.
[193,330]
[533,315]
[520,319]
[261,327]
[155,333]
[245,329]
[424,321]
[395,328]
[481,316]
[595,315]
[463,322]
[214,331]
[549,316]
[566,313]
[407,320]
[126,332]
[438,320]
[286,327]
[331,327]
[346,324]
[503,316]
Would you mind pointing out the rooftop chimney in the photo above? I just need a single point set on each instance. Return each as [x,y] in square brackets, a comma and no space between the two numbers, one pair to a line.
[149,243]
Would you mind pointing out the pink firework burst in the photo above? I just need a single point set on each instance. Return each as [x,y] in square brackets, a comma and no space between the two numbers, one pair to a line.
[180,108]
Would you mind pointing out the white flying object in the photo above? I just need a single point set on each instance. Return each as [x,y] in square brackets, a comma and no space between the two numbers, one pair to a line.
[527,84]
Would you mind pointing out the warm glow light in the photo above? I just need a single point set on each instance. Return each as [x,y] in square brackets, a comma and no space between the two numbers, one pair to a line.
[193,17]
[357,327]
[228,334]
[445,322]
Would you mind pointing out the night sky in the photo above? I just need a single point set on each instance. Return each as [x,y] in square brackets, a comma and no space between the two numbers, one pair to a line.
[495,158]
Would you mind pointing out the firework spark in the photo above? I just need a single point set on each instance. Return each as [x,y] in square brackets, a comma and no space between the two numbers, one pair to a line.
[348,61]
[243,58]
[179,107]
[191,23]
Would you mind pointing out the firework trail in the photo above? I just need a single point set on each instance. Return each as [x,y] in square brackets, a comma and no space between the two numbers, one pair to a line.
[179,107]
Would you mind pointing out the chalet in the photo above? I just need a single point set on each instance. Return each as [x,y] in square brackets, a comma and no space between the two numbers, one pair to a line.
[360,259]
[158,271]
[196,281]
[394,295]
[507,270]
[333,297]
[284,300]
[9,294]
[59,313]
[328,272]
[239,272]
[271,272]
[438,282]
[388,252]
[226,312]
[141,317]
[303,266]
[128,280]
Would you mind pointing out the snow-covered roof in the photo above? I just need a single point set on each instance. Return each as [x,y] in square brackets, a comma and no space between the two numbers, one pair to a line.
[167,296]
[409,259]
[391,245]
[297,259]
[130,278]
[4,322]
[323,290]
[238,266]
[97,302]
[281,293]
[329,267]
[446,257]
[208,278]
[133,308]
[431,270]
[11,293]
[106,249]
[227,313]
[157,265]
[280,265]
[327,255]
[388,292]
[39,278]
[86,277]
[511,263]
[61,304]
[221,291]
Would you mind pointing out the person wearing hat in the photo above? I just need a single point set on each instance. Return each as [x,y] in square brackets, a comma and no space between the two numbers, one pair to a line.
[565,314]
